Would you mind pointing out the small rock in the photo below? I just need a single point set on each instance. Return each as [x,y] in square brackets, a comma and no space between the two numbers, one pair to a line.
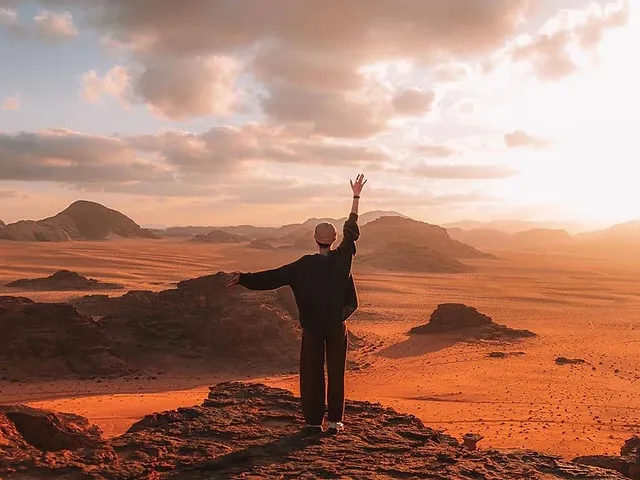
[569,361]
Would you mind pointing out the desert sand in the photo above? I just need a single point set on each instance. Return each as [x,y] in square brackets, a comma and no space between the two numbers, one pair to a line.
[579,306]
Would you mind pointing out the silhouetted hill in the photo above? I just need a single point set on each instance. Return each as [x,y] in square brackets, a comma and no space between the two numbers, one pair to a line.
[82,220]
[398,230]
[404,257]
[218,236]
[2,224]
[628,232]
[493,239]
[514,225]
[542,239]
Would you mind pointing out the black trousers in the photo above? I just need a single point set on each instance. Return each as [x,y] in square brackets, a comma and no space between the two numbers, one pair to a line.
[333,345]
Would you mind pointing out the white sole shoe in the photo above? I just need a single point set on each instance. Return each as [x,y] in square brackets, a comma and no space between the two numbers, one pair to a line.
[335,427]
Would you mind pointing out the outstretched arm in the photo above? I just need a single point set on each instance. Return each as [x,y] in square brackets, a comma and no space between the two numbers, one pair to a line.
[267,279]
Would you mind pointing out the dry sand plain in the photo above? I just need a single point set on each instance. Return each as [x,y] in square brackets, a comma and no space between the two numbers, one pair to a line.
[580,306]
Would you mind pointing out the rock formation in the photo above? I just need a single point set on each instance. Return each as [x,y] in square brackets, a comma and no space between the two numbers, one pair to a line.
[569,361]
[461,320]
[200,327]
[384,231]
[261,245]
[628,463]
[2,224]
[405,257]
[63,280]
[252,431]
[82,220]
[52,340]
[218,236]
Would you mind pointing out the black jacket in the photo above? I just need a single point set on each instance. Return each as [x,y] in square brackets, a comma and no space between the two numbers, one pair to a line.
[322,284]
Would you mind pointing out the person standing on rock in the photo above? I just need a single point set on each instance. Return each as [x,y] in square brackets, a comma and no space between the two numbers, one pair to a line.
[326,296]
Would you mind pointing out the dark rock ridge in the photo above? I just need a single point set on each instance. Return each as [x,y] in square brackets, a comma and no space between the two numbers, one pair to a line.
[628,463]
[218,236]
[461,320]
[252,431]
[82,220]
[569,361]
[405,257]
[2,224]
[63,280]
[201,326]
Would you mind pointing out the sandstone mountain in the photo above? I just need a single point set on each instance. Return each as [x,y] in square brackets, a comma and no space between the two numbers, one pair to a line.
[82,220]
[406,257]
[218,236]
[513,226]
[2,224]
[394,230]
[252,431]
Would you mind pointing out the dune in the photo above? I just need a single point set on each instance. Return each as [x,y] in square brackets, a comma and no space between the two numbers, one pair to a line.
[63,280]
[82,220]
[252,431]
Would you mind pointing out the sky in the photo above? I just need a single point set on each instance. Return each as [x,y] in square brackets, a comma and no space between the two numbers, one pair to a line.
[224,112]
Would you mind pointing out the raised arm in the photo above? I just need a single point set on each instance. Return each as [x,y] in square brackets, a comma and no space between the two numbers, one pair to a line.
[351,231]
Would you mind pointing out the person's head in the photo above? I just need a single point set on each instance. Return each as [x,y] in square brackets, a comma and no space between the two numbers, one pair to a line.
[325,234]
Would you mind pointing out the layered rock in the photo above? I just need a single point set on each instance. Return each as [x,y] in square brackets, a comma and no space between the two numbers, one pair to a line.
[252,431]
[63,280]
[627,463]
[461,320]
[52,340]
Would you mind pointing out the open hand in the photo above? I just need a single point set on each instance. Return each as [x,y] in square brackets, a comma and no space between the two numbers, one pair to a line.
[358,185]
[234,280]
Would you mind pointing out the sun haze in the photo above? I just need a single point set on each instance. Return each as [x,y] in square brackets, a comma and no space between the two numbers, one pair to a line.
[252,112]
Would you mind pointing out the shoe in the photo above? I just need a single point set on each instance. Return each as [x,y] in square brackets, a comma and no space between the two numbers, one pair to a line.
[312,429]
[335,427]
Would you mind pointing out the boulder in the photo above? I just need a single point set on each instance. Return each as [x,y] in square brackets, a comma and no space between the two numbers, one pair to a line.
[628,463]
[461,320]
[569,361]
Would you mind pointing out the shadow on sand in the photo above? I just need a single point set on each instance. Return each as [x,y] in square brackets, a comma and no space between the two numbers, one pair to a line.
[417,345]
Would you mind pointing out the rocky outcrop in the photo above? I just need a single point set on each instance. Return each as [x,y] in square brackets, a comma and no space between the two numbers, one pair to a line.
[628,463]
[52,340]
[63,280]
[2,224]
[569,361]
[218,236]
[252,431]
[199,327]
[461,320]
[404,257]
[261,245]
[82,220]
[385,231]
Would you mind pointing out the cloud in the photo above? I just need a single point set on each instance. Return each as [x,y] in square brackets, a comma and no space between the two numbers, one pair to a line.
[328,114]
[64,156]
[435,151]
[10,103]
[463,172]
[9,20]
[552,53]
[413,102]
[116,82]
[56,27]
[192,87]
[518,138]
[168,163]
[307,58]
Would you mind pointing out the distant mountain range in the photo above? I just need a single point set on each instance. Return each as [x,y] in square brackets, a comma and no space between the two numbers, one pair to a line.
[514,226]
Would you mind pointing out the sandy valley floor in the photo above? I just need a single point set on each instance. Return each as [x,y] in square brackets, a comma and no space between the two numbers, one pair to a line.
[580,306]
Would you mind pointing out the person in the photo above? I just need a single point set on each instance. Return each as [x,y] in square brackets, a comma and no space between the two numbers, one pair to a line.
[326,296]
